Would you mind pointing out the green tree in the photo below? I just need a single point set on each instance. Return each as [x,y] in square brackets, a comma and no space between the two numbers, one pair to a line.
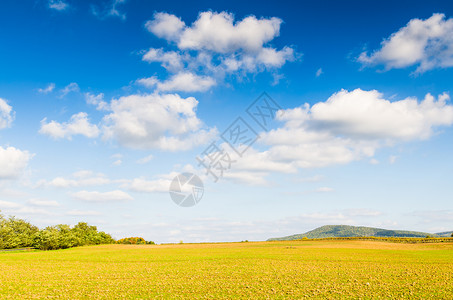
[16,233]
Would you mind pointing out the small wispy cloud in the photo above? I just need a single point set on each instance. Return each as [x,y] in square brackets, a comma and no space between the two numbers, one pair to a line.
[374,161]
[109,11]
[77,212]
[47,89]
[145,159]
[319,72]
[41,202]
[95,196]
[59,5]
[324,190]
[70,88]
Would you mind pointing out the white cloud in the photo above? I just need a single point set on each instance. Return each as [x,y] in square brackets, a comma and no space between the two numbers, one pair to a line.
[170,60]
[349,126]
[40,202]
[366,114]
[266,58]
[96,196]
[184,82]
[79,179]
[319,72]
[17,208]
[166,122]
[352,125]
[246,177]
[216,32]
[13,162]
[8,204]
[96,100]
[59,5]
[110,10]
[70,88]
[324,189]
[374,161]
[145,159]
[114,10]
[270,57]
[13,193]
[160,121]
[117,155]
[47,89]
[165,26]
[79,124]
[425,43]
[27,210]
[78,212]
[361,212]
[94,181]
[82,174]
[61,182]
[315,178]
[6,114]
[149,186]
[215,45]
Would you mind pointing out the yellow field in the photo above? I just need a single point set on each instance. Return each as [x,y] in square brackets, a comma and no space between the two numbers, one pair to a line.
[277,270]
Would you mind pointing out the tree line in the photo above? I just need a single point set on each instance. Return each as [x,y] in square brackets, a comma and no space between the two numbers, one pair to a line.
[134,241]
[17,233]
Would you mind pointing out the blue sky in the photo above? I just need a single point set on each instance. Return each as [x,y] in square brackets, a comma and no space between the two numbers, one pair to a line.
[102,103]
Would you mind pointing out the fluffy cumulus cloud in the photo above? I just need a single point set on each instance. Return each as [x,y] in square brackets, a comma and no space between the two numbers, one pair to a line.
[352,125]
[142,121]
[13,162]
[183,82]
[79,124]
[166,122]
[216,45]
[216,32]
[348,126]
[425,43]
[96,100]
[6,114]
[366,114]
[170,60]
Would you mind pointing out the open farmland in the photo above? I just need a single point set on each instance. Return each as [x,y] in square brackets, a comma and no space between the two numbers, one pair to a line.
[285,270]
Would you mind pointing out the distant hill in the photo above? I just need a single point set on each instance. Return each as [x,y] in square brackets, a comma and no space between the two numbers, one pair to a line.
[444,234]
[355,231]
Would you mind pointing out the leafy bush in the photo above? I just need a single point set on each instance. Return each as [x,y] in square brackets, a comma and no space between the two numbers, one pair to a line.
[134,241]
